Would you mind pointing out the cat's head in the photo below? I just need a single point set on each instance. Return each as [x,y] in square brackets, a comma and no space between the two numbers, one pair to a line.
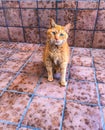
[57,34]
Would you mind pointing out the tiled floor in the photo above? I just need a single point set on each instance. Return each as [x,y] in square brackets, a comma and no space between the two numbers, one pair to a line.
[29,101]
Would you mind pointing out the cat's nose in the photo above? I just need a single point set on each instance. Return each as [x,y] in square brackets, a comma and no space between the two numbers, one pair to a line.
[56,38]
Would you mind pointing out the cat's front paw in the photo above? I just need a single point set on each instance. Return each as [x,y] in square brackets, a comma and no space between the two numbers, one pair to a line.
[50,79]
[63,83]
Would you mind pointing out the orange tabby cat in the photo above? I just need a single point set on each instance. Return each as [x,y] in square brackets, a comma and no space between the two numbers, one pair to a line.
[56,53]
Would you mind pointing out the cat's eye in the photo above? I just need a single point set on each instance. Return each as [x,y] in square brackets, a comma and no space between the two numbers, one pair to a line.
[53,33]
[61,34]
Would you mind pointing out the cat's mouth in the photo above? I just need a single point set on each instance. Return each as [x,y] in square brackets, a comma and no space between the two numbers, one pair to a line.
[58,43]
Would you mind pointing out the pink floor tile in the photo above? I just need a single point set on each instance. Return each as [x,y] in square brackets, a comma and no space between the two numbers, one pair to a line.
[81,51]
[79,117]
[21,56]
[100,75]
[12,66]
[38,55]
[1,60]
[24,83]
[6,54]
[20,46]
[26,47]
[35,68]
[102,93]
[44,113]
[83,91]
[82,73]
[4,79]
[7,127]
[53,89]
[104,112]
[22,128]
[82,61]
[12,106]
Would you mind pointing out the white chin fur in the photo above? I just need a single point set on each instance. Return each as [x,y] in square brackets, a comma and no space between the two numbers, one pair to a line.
[58,43]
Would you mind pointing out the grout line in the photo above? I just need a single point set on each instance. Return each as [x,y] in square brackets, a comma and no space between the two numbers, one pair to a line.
[8,122]
[93,35]
[98,94]
[75,19]
[6,22]
[53,8]
[38,20]
[64,104]
[83,103]
[22,21]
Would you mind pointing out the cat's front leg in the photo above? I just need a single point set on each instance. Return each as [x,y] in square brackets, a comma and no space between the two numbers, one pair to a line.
[63,74]
[49,70]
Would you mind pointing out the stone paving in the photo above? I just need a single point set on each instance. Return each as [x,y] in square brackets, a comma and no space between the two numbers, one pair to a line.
[29,102]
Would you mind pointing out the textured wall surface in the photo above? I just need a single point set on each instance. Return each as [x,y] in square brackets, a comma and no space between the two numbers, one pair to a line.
[28,21]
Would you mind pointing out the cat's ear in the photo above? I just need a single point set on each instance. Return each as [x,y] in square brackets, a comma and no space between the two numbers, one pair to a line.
[67,27]
[52,23]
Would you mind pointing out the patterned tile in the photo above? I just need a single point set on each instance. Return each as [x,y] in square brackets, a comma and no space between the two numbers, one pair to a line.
[82,61]
[12,106]
[7,53]
[66,4]
[8,127]
[16,34]
[13,17]
[32,35]
[21,56]
[83,91]
[14,4]
[24,83]
[3,33]
[12,66]
[104,112]
[86,19]
[2,18]
[0,4]
[38,55]
[5,78]
[99,58]
[28,4]
[66,16]
[81,117]
[23,128]
[100,22]
[82,52]
[29,17]
[44,113]
[71,38]
[46,4]
[99,40]
[43,34]
[34,68]
[83,39]
[100,75]
[45,19]
[82,73]
[25,46]
[87,4]
[52,89]
[1,60]
[102,93]
[102,4]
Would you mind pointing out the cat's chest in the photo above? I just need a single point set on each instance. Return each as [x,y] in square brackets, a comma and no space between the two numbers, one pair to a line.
[55,56]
